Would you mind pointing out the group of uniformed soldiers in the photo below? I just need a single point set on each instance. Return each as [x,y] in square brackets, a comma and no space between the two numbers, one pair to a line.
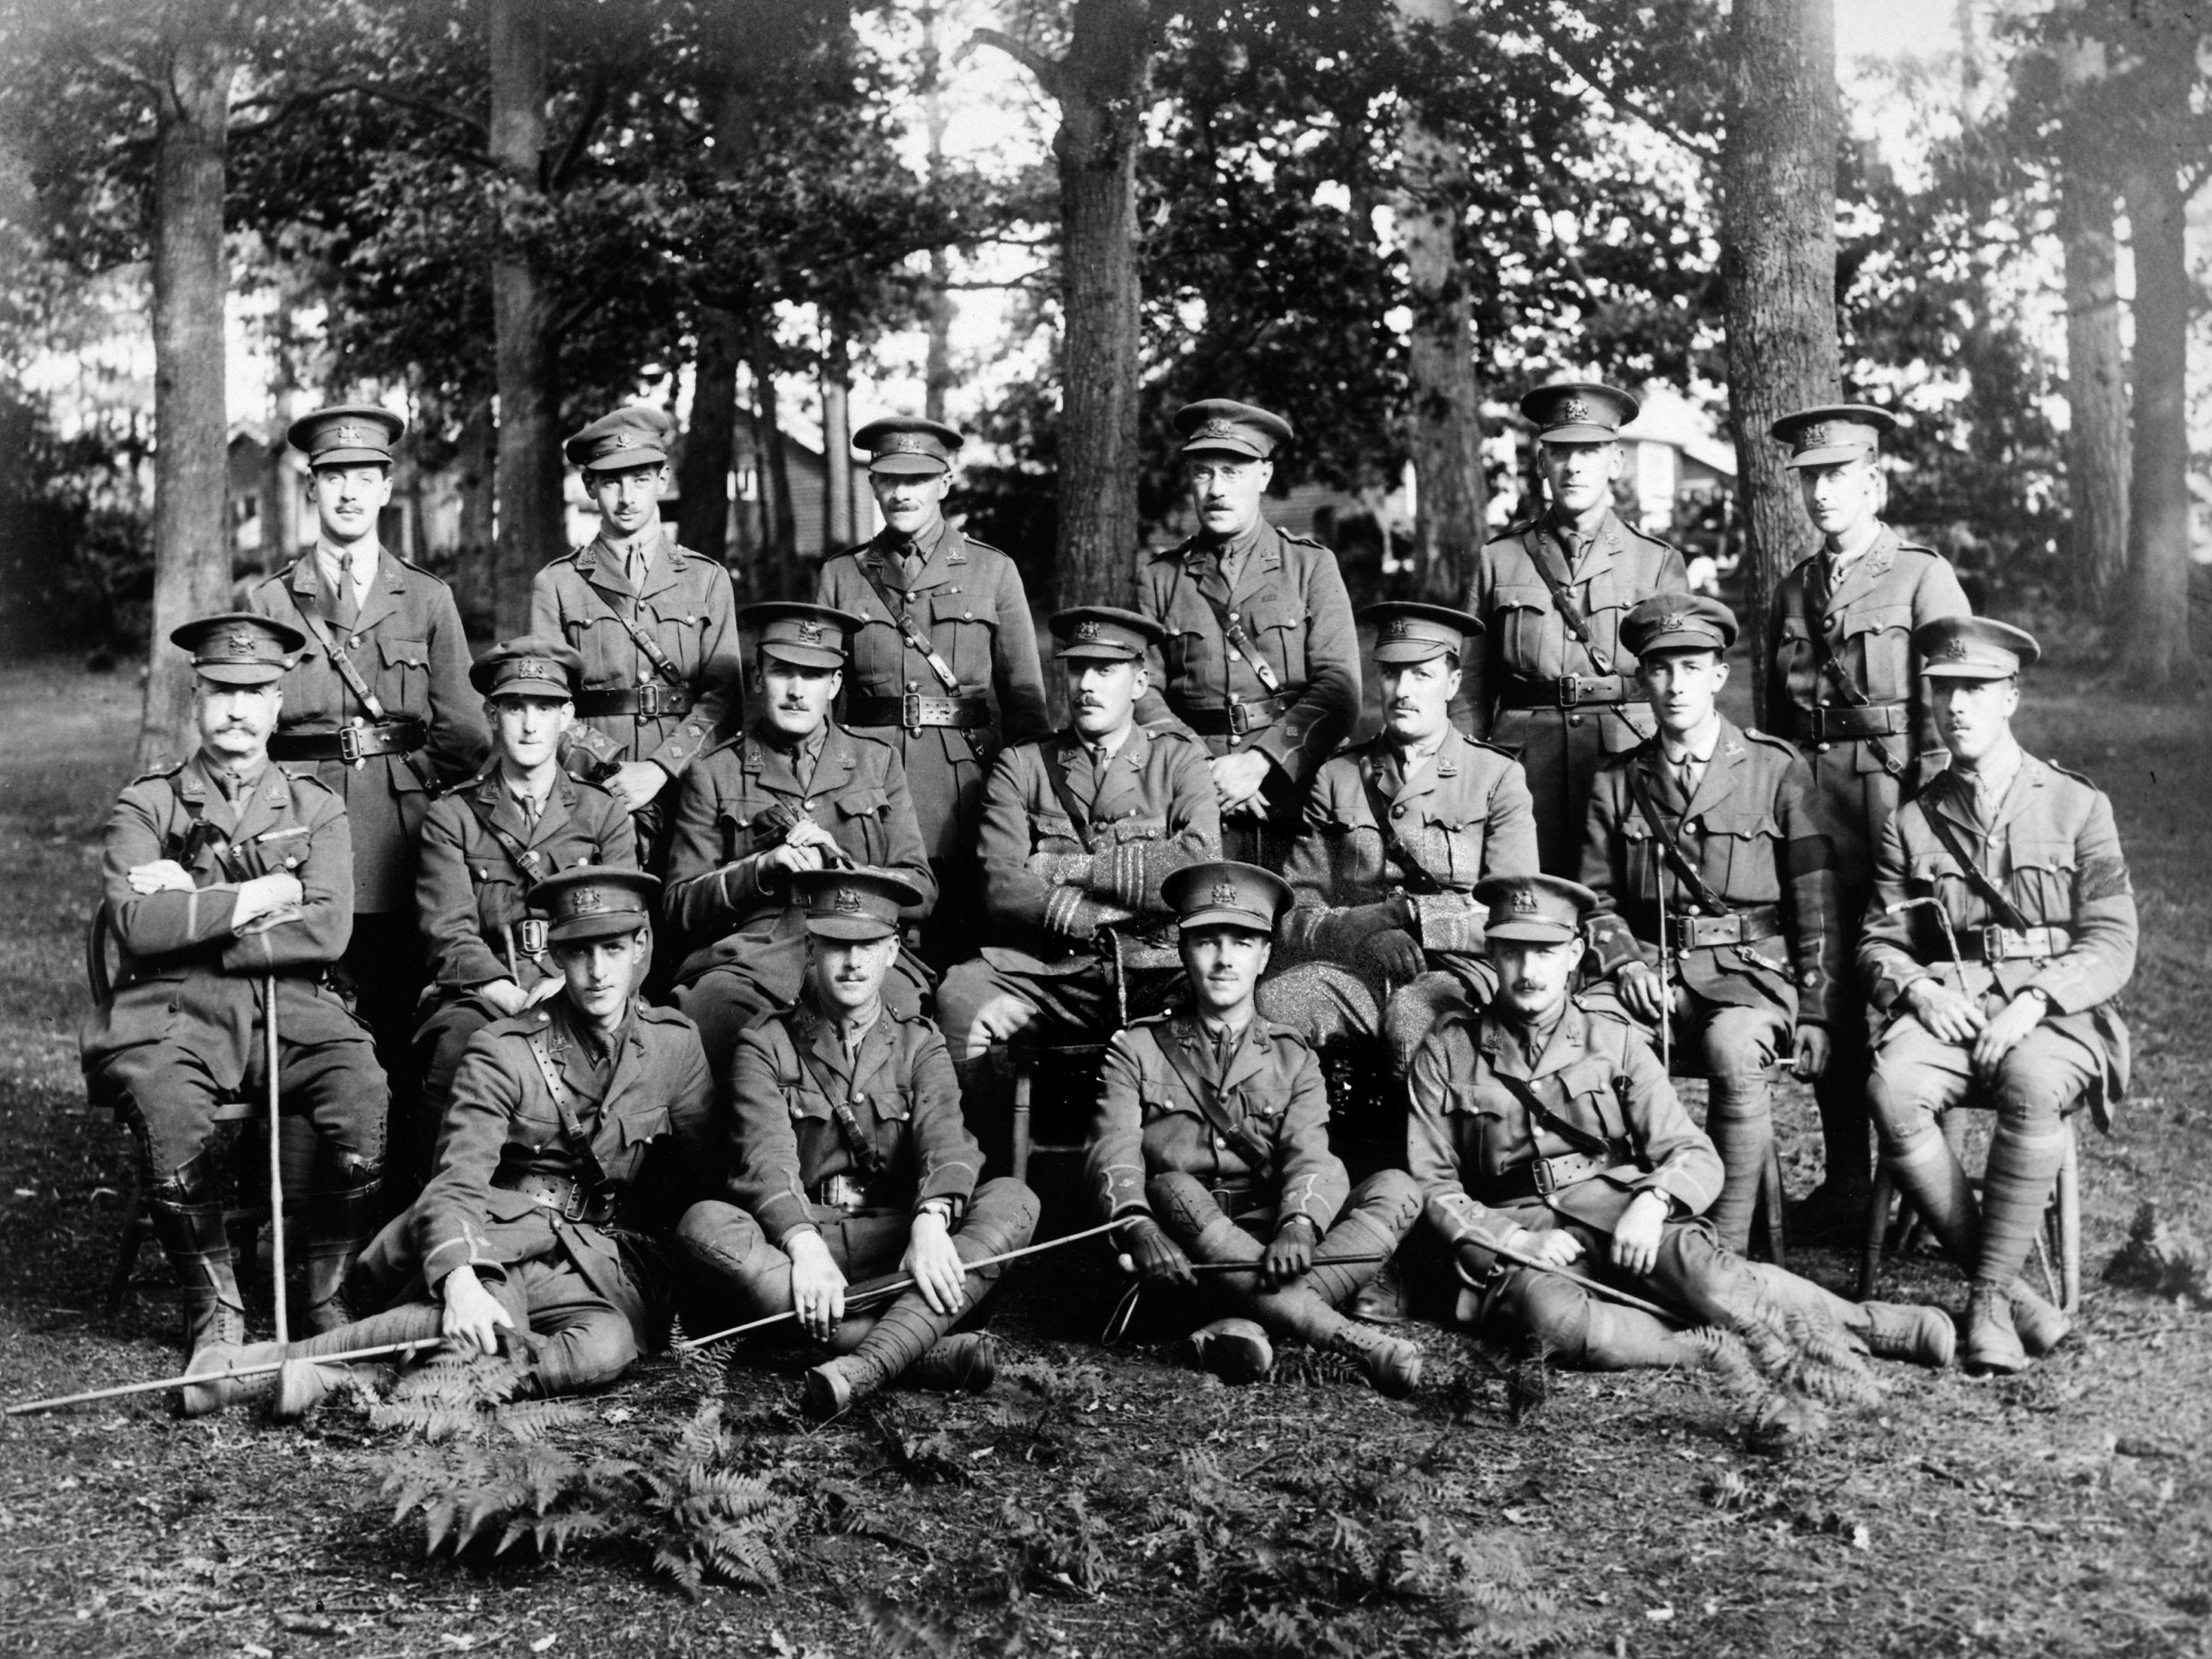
[1556,877]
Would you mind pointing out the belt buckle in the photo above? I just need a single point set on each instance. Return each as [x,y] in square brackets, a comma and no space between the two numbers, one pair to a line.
[349,740]
[1992,942]
[530,936]
[909,710]
[1240,718]
[1540,1172]
[841,1192]
[648,700]
[1568,689]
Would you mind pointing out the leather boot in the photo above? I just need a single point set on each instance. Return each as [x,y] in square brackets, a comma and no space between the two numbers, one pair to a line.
[409,1322]
[1235,1351]
[216,1362]
[2039,1324]
[343,1224]
[1991,1344]
[1905,1331]
[1381,1300]
[186,1213]
[964,1364]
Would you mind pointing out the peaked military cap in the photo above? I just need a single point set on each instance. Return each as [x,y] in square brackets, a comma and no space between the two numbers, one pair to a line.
[908,443]
[1407,632]
[532,666]
[347,434]
[858,904]
[238,648]
[814,636]
[1225,894]
[637,434]
[1973,648]
[1104,633]
[1223,426]
[1579,411]
[595,901]
[1679,622]
[1832,432]
[1541,910]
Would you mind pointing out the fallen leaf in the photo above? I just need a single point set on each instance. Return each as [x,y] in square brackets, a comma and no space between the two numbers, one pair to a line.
[544,1642]
[1658,1615]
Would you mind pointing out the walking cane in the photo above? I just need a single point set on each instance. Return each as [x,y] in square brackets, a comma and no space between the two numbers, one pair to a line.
[276,1159]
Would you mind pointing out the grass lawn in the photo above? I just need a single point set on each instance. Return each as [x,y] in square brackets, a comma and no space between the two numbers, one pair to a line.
[1110,1503]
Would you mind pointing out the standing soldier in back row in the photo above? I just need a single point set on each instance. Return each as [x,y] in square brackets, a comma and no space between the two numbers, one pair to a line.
[1551,681]
[655,625]
[1261,660]
[945,664]
[379,707]
[1845,684]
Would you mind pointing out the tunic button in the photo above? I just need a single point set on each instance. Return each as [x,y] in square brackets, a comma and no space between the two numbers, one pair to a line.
[1695,827]
[1825,747]
[1574,720]
[1397,812]
[1233,616]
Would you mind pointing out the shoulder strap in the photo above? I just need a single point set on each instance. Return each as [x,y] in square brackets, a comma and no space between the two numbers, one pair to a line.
[647,646]
[1210,1107]
[1419,876]
[524,859]
[1563,601]
[1056,774]
[1993,895]
[1685,872]
[916,641]
[1581,1140]
[564,1108]
[339,660]
[857,1141]
[1838,671]
[1241,642]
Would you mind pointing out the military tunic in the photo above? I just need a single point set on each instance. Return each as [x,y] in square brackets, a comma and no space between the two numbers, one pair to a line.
[1562,704]
[1053,878]
[748,948]
[473,899]
[1289,600]
[184,1024]
[1463,815]
[567,1216]
[967,600]
[685,606]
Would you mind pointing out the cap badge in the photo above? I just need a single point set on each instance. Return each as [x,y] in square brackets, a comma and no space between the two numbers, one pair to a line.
[1525,902]
[348,434]
[240,642]
[1401,628]
[1955,649]
[1086,630]
[535,669]
[1574,411]
[1215,428]
[1676,622]
[586,901]
[848,901]
[810,632]
[1225,892]
[907,443]
[1820,433]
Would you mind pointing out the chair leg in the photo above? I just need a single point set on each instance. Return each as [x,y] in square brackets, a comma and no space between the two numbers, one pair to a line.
[127,1248]
[1772,1199]
[2066,1224]
[1877,1228]
[1024,1081]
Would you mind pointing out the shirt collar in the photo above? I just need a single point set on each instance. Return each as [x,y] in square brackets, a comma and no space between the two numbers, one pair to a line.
[1993,777]
[1699,749]
[331,561]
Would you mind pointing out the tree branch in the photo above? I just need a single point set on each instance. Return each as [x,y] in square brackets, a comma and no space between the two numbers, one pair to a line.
[1568,57]
[1051,74]
[291,104]
[572,153]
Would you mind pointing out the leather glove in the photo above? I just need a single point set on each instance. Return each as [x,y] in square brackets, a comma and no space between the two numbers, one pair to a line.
[1291,1253]
[1160,1259]
[1394,953]
[1366,920]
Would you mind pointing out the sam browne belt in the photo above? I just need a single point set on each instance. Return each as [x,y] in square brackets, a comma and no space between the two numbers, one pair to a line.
[358,742]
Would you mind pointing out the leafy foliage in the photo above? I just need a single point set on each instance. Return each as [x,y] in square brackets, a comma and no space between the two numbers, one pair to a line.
[702,1518]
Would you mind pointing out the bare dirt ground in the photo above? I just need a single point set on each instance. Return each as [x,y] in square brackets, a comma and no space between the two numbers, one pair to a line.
[1110,1503]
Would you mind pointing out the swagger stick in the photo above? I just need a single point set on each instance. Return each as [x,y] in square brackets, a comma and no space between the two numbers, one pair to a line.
[1596,1286]
[277,1161]
[692,1344]
[261,1368]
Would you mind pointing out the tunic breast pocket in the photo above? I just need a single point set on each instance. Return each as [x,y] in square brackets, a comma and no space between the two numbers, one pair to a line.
[2042,877]
[962,630]
[1884,636]
[1450,844]
[678,631]
[1521,615]
[403,687]
[861,815]
[1740,855]
[1276,625]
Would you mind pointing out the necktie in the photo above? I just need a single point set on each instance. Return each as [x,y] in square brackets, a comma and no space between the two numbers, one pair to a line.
[803,759]
[1689,769]
[348,610]
[911,561]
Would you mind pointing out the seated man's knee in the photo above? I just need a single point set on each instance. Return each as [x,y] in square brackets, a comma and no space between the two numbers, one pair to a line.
[1552,1311]
[1735,1046]
[1182,1205]
[721,1237]
[590,1353]
[1412,1013]
[1904,1110]
[1324,1002]
[1002,1214]
[2031,1092]
[1389,1196]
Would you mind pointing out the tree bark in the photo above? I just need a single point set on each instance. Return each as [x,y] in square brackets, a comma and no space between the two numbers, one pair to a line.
[1777,265]
[938,368]
[475,469]
[1444,418]
[710,446]
[191,412]
[779,549]
[2096,394]
[2154,653]
[836,449]
[529,477]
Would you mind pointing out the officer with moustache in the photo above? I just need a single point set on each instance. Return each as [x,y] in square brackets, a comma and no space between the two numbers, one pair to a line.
[654,624]
[796,793]
[1554,683]
[943,665]
[1259,657]
[1845,683]
[224,877]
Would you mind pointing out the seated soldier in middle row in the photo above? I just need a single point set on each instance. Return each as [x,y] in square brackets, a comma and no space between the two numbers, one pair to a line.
[1212,1130]
[1716,901]
[848,1158]
[796,793]
[1079,830]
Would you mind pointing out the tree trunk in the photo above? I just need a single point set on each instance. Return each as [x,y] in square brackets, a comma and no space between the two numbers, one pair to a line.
[2096,394]
[1102,90]
[779,551]
[529,471]
[191,413]
[2154,653]
[836,449]
[1444,419]
[710,446]
[1777,265]
[937,369]
[474,472]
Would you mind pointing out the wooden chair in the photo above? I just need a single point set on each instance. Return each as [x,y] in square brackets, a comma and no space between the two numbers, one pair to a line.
[2058,1247]
[1768,1216]
[1069,1062]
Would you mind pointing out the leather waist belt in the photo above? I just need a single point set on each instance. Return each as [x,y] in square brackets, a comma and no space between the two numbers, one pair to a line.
[1878,720]
[352,744]
[1571,691]
[647,702]
[848,1193]
[1240,718]
[914,711]
[1746,926]
[570,1199]
[1995,944]
[1541,1177]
